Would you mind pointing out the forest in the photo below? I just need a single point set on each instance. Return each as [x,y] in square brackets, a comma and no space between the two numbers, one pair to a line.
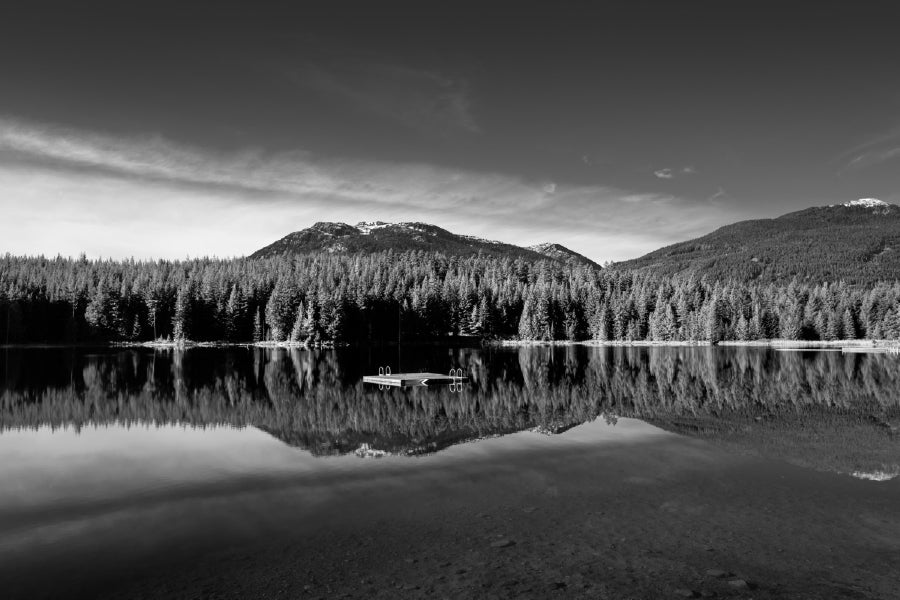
[415,295]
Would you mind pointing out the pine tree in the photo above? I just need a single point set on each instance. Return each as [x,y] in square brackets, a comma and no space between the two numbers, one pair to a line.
[299,331]
[474,325]
[486,314]
[181,323]
[849,326]
[833,327]
[713,321]
[791,324]
[526,320]
[755,329]
[604,324]
[280,311]
[542,317]
[742,329]
[234,314]
[135,329]
[890,328]
[333,315]
[258,333]
[102,313]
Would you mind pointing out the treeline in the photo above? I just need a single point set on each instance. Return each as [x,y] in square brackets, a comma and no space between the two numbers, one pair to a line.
[416,295]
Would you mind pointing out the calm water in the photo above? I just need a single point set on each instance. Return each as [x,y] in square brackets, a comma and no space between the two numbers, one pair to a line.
[315,401]
[200,448]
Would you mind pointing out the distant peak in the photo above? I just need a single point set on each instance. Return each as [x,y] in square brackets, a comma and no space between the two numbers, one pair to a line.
[866,203]
[367,226]
[331,228]
[546,246]
[560,252]
[373,224]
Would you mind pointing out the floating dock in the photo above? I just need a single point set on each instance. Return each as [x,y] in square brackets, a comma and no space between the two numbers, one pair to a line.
[871,349]
[413,379]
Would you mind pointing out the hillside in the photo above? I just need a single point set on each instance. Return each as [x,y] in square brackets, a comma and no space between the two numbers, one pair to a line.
[855,242]
[378,236]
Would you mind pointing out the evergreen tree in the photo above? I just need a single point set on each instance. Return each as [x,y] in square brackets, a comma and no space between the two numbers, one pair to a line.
[742,329]
[102,313]
[849,326]
[527,330]
[181,323]
[299,332]
[258,333]
[713,326]
[234,314]
[791,324]
[604,324]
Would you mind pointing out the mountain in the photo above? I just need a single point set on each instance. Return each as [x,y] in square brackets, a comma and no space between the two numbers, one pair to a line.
[379,236]
[854,242]
[560,252]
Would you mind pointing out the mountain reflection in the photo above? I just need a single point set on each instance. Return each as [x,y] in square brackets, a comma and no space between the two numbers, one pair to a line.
[819,409]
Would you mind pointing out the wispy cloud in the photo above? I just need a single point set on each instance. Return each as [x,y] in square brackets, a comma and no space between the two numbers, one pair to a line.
[417,98]
[871,158]
[873,151]
[719,196]
[670,173]
[70,191]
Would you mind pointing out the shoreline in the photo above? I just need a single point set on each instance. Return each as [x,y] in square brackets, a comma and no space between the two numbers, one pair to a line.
[185,344]
[772,343]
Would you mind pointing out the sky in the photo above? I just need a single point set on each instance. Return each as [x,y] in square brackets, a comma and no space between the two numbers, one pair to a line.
[167,130]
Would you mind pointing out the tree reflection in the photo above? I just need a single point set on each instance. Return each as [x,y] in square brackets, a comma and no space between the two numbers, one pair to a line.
[315,399]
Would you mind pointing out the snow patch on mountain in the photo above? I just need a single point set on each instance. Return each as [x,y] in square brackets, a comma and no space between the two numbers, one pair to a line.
[420,227]
[875,475]
[476,239]
[552,250]
[332,229]
[366,227]
[545,247]
[867,203]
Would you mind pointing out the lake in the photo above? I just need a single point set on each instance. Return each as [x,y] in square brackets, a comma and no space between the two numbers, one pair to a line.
[576,470]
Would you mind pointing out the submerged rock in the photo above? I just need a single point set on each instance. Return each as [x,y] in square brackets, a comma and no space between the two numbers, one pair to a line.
[366,451]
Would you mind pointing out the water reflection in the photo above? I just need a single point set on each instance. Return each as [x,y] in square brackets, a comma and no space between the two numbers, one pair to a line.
[819,409]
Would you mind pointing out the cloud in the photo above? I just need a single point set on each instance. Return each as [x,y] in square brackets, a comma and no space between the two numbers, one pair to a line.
[874,151]
[719,195]
[871,158]
[669,173]
[420,99]
[67,191]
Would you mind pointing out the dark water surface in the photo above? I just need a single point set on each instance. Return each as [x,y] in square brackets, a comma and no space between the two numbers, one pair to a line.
[120,463]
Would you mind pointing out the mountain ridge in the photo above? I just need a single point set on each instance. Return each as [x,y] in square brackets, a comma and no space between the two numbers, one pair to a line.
[377,236]
[854,242]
